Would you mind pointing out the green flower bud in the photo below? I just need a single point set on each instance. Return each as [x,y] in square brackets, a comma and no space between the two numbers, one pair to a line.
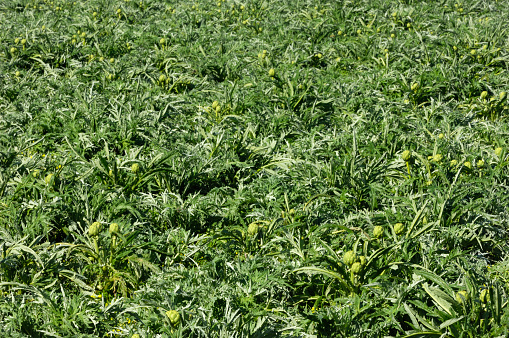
[162,41]
[378,231]
[498,151]
[399,228]
[454,163]
[468,165]
[484,94]
[502,96]
[215,104]
[135,168]
[272,72]
[480,164]
[406,155]
[349,258]
[252,229]
[362,260]
[484,297]
[94,229]
[437,158]
[462,296]
[113,228]
[162,77]
[174,317]
[135,335]
[356,268]
[48,179]
[218,109]
[414,86]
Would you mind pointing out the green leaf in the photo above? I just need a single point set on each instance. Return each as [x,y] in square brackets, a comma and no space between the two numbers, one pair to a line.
[434,278]
[416,220]
[441,298]
[424,334]
[451,321]
[411,314]
[345,283]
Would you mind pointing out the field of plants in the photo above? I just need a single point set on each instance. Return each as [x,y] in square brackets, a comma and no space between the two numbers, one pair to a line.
[291,168]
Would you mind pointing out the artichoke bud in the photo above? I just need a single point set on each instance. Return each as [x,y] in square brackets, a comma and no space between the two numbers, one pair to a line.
[502,96]
[461,296]
[113,228]
[362,260]
[174,317]
[272,72]
[253,229]
[135,168]
[48,179]
[94,229]
[356,268]
[484,94]
[399,228]
[406,155]
[468,165]
[484,297]
[498,151]
[437,158]
[349,258]
[215,104]
[378,231]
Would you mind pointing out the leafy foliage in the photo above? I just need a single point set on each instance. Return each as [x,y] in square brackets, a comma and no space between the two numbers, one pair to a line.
[274,168]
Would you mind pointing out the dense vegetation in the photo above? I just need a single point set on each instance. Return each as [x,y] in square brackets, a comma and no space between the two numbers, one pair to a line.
[297,168]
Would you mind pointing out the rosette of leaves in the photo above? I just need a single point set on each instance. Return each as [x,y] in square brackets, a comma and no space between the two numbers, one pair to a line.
[492,108]
[454,313]
[113,261]
[351,271]
[257,235]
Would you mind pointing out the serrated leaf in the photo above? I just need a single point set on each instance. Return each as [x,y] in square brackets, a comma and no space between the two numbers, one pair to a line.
[451,321]
[423,272]
[441,298]
[345,283]
[426,334]
[411,314]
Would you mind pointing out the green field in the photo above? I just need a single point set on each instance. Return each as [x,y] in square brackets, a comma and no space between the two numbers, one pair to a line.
[292,168]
